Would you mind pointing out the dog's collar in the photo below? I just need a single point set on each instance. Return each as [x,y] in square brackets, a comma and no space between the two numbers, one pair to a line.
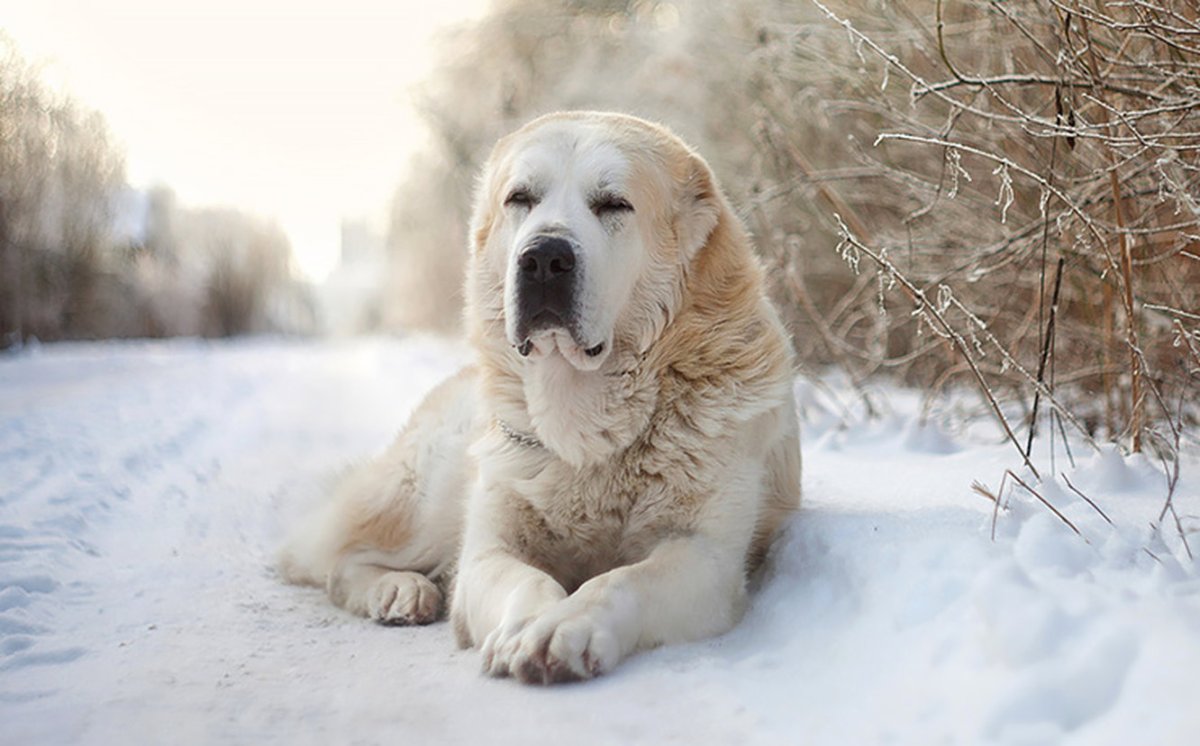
[525,439]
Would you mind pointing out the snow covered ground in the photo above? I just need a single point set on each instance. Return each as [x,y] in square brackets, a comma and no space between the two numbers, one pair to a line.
[145,486]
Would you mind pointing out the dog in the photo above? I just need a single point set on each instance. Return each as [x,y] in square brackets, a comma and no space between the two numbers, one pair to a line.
[613,467]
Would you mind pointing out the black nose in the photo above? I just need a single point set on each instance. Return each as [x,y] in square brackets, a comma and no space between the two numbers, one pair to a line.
[548,259]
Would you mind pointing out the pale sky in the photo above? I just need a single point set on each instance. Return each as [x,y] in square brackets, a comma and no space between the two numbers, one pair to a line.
[294,110]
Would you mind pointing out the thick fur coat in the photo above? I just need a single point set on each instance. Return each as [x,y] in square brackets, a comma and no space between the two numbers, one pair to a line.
[617,461]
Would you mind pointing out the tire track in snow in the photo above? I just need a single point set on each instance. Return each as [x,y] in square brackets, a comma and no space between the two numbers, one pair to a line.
[152,501]
[84,452]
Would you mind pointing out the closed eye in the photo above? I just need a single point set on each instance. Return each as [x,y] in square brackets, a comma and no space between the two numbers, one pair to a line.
[520,197]
[610,204]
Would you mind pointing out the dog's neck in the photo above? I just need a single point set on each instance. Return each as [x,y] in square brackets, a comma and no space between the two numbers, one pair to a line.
[583,417]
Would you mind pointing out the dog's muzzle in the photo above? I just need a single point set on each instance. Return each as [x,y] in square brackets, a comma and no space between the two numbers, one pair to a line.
[546,282]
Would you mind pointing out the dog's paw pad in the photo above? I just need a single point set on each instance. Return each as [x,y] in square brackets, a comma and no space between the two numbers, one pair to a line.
[403,598]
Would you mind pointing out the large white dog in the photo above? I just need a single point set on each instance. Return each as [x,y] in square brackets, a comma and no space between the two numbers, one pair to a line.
[617,461]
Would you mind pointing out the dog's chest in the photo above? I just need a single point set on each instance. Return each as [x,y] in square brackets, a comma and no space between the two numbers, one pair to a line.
[579,524]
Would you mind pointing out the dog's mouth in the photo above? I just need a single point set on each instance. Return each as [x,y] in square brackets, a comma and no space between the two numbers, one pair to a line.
[526,347]
[561,341]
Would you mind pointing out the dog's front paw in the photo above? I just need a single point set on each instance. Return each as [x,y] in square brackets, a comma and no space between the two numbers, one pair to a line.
[557,646]
[403,598]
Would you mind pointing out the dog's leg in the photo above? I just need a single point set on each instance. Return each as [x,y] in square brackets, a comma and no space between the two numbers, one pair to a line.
[391,529]
[687,589]
[361,586]
[495,598]
[381,541]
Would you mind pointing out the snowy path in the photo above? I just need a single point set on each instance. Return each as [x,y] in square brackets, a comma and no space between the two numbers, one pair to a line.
[143,488]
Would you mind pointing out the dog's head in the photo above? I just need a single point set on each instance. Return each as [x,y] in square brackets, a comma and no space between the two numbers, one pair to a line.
[584,227]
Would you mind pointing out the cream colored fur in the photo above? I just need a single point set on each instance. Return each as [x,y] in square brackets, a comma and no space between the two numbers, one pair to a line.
[668,461]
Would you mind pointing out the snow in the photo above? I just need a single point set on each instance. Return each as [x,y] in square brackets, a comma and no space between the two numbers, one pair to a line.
[145,486]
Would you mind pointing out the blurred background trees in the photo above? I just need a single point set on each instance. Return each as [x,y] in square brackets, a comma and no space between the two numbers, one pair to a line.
[999,196]
[82,255]
[996,195]
[60,181]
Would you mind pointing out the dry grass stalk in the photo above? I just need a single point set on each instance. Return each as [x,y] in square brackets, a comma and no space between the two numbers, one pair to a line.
[1057,513]
[1086,499]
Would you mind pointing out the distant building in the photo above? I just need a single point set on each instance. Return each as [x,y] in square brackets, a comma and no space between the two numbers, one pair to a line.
[361,242]
[350,297]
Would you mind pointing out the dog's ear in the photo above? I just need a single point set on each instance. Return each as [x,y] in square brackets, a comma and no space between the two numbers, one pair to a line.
[483,214]
[487,196]
[700,207]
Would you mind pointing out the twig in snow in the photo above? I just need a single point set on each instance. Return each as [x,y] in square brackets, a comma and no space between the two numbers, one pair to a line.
[1086,499]
[981,489]
[1047,503]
